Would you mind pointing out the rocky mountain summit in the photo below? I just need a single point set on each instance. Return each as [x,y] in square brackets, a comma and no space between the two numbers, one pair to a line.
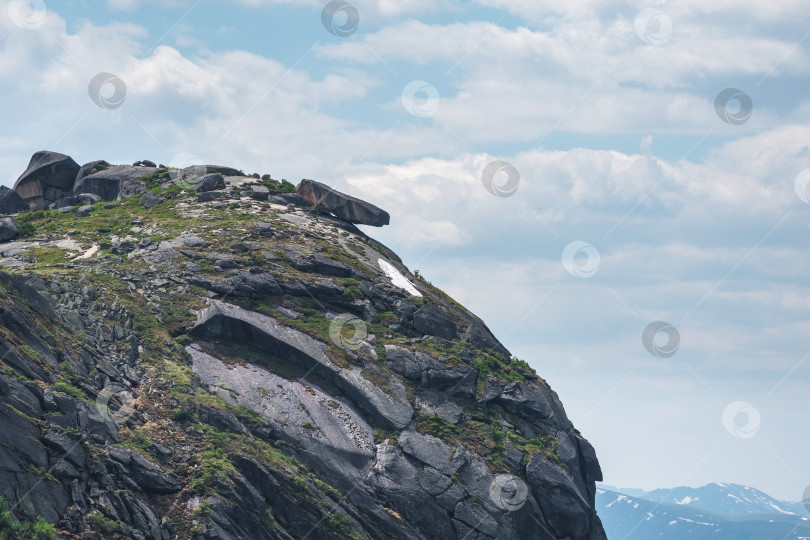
[201,353]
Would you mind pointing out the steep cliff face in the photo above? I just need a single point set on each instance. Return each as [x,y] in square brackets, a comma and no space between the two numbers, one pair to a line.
[187,362]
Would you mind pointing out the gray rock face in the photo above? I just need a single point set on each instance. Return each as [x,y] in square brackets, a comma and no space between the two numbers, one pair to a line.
[433,452]
[209,196]
[265,229]
[434,320]
[189,177]
[479,335]
[209,182]
[149,200]
[407,364]
[531,401]
[91,168]
[165,254]
[199,170]
[322,288]
[302,412]
[146,474]
[260,193]
[443,506]
[343,206]
[243,284]
[320,264]
[419,492]
[457,380]
[49,430]
[82,199]
[114,183]
[49,175]
[559,498]
[231,323]
[11,202]
[431,404]
[8,229]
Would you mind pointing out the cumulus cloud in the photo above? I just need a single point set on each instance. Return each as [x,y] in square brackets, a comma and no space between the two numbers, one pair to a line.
[373,9]
[540,11]
[523,84]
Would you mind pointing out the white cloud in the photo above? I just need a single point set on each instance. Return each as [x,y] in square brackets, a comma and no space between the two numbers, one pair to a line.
[134,4]
[373,9]
[754,9]
[573,49]
[523,84]
[416,231]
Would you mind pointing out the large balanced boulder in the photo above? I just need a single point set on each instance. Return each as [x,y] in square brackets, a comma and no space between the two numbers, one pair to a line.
[116,182]
[343,206]
[11,202]
[49,176]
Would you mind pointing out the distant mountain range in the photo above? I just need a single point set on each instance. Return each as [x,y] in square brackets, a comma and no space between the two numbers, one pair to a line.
[714,511]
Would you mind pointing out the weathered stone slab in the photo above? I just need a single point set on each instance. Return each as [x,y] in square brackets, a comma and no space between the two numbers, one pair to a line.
[343,206]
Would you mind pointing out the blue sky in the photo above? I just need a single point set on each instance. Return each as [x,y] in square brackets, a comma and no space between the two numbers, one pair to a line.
[606,111]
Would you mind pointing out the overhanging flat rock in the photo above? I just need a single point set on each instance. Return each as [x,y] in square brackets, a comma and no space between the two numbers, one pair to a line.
[343,206]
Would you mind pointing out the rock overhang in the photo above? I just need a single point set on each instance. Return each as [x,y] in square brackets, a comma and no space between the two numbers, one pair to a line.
[343,206]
